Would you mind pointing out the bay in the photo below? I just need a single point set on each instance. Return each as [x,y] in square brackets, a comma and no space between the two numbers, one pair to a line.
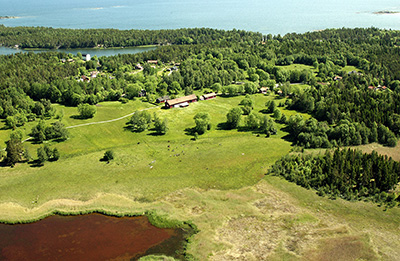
[91,51]
[265,16]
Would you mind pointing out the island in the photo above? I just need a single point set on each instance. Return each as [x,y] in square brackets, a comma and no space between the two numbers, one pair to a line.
[386,12]
[8,17]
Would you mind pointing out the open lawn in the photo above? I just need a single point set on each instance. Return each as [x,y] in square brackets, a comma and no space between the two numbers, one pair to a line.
[146,166]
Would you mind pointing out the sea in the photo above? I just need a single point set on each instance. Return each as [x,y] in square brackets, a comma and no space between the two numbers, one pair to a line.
[264,16]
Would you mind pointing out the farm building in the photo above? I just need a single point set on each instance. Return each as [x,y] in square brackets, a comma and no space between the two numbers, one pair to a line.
[264,90]
[181,102]
[152,61]
[208,96]
[162,99]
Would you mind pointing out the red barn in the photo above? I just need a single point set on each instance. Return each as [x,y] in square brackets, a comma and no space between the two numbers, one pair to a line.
[209,96]
[181,102]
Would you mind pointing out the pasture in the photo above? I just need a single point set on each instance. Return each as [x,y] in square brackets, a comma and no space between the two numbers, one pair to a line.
[217,182]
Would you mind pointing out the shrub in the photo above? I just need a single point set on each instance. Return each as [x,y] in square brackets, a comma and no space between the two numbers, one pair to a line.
[86,111]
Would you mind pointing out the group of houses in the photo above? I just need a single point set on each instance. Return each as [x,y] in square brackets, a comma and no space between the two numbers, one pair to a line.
[379,88]
[93,74]
[183,101]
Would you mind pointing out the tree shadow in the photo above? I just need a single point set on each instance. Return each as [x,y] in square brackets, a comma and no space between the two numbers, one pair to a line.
[35,141]
[264,111]
[58,140]
[103,159]
[76,117]
[190,131]
[35,164]
[128,127]
[288,137]
[3,164]
[79,117]
[223,126]
[154,132]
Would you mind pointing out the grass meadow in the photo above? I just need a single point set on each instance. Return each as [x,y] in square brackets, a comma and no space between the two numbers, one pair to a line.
[146,166]
[217,182]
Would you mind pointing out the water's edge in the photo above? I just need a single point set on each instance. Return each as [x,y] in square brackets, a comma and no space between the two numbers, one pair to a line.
[175,246]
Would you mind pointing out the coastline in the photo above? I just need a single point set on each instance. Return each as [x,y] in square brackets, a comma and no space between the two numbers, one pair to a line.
[87,48]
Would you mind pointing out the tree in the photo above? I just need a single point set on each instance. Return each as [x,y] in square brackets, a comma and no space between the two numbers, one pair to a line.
[140,121]
[175,87]
[253,121]
[56,130]
[271,106]
[216,87]
[86,111]
[10,122]
[267,126]
[296,124]
[14,149]
[108,155]
[277,114]
[203,122]
[42,155]
[56,155]
[233,117]
[38,131]
[247,101]
[160,125]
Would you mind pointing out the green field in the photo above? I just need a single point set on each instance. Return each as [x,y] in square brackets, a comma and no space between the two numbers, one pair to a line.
[298,67]
[147,166]
[217,182]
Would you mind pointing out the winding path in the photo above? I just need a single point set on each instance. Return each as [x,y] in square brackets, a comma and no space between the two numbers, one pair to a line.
[107,121]
[100,122]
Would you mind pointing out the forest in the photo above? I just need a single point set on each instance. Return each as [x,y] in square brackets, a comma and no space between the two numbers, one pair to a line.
[348,174]
[52,38]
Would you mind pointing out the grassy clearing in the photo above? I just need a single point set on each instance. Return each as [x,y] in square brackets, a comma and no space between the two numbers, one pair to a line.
[350,68]
[146,167]
[393,152]
[298,67]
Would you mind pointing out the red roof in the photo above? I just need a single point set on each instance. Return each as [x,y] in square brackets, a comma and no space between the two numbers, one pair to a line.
[181,100]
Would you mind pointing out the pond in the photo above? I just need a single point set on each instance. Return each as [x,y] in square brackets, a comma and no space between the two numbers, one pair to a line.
[88,237]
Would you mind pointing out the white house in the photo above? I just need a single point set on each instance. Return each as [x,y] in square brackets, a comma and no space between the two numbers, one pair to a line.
[86,57]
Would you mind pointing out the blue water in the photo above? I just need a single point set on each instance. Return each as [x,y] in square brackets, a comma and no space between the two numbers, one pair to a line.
[91,51]
[265,16]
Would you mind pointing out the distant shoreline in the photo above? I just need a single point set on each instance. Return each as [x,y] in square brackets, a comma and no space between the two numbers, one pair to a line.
[386,12]
[9,17]
[86,48]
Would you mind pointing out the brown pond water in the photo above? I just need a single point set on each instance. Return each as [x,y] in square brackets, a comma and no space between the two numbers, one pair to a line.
[87,237]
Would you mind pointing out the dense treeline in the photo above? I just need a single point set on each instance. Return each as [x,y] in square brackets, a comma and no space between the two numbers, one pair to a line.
[355,115]
[348,174]
[44,37]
